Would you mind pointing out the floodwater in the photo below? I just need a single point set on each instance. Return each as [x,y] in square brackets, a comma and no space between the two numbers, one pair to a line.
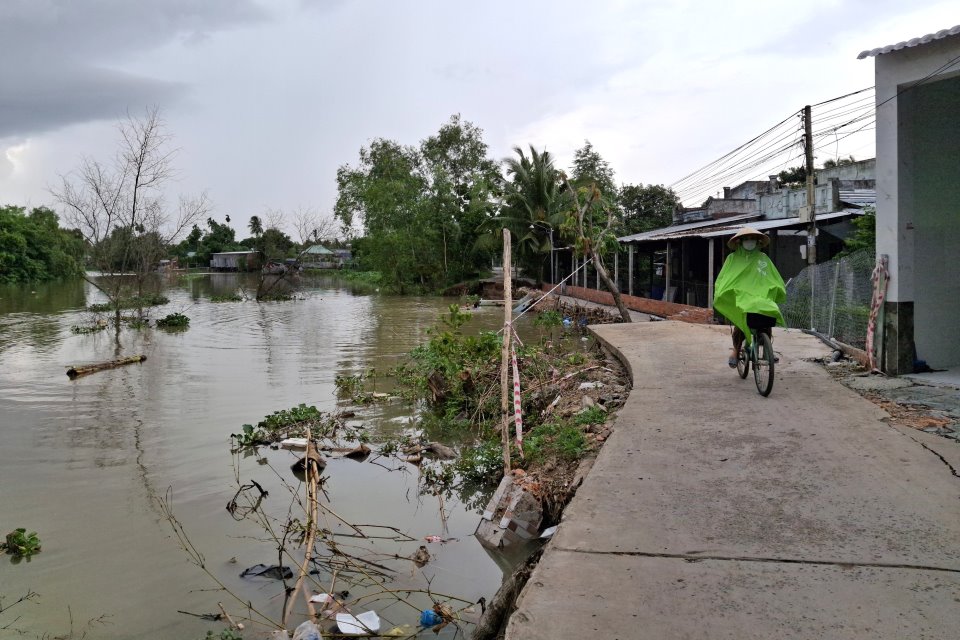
[84,462]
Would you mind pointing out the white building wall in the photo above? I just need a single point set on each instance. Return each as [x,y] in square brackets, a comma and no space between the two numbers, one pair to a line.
[918,191]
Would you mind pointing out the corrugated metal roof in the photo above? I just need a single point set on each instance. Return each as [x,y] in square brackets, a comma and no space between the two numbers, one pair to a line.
[910,43]
[729,227]
[858,196]
[677,228]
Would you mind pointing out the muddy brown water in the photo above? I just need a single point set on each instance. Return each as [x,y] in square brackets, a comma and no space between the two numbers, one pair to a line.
[83,462]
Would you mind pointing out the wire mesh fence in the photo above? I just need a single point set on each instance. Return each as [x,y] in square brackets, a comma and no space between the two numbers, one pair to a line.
[833,298]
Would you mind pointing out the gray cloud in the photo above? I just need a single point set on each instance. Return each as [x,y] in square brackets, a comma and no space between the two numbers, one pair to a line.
[66,57]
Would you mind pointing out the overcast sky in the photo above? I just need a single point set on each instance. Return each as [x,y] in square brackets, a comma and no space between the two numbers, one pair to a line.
[267,98]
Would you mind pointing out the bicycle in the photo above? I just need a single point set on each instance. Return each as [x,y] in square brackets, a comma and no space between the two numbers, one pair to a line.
[758,354]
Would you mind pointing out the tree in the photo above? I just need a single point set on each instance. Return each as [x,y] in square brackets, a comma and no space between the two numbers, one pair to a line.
[839,162]
[419,209]
[864,235]
[591,220]
[256,226]
[794,177]
[311,227]
[33,248]
[646,207]
[120,210]
[532,204]
[590,167]
[462,183]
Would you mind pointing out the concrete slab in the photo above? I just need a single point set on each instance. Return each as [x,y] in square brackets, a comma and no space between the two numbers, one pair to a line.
[631,597]
[743,497]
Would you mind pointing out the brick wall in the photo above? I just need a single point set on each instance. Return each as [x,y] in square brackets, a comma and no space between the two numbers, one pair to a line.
[669,310]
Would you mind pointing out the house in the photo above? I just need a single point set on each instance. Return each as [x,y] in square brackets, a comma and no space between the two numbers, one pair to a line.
[679,263]
[235,261]
[319,257]
[918,199]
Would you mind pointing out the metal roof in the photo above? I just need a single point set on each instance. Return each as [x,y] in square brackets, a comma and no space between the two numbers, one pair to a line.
[858,197]
[910,43]
[730,226]
[678,228]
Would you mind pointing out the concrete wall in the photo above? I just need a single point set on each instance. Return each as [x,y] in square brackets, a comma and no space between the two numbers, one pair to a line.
[913,211]
[863,170]
[787,202]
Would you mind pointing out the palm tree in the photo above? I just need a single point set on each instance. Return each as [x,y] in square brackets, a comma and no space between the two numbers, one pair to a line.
[256,226]
[532,206]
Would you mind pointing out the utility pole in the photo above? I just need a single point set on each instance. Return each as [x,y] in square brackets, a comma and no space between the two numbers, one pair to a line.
[811,207]
[808,147]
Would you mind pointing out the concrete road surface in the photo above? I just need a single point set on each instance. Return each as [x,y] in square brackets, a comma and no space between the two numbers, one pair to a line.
[713,512]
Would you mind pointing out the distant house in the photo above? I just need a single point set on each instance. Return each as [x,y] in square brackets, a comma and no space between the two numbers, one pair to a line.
[235,261]
[918,191]
[319,257]
[679,263]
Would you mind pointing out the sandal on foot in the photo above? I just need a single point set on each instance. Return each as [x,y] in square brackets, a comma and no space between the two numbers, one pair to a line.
[732,362]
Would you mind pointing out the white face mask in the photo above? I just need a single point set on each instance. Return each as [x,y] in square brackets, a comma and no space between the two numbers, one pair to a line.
[749,244]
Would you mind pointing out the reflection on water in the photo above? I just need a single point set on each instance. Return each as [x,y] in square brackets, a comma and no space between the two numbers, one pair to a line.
[83,461]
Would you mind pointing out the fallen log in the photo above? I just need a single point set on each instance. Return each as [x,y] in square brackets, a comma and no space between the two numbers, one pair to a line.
[494,620]
[82,370]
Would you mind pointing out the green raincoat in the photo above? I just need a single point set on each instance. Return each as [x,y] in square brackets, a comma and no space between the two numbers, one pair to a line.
[748,283]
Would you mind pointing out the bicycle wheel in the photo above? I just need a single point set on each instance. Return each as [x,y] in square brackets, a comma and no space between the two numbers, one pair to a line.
[763,365]
[743,364]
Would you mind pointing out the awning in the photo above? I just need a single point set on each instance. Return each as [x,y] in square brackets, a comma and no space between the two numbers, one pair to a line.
[664,232]
[729,226]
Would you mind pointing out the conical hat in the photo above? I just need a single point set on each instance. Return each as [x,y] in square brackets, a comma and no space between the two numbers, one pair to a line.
[762,238]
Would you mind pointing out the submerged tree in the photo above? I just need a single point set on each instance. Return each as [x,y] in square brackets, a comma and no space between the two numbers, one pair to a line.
[120,209]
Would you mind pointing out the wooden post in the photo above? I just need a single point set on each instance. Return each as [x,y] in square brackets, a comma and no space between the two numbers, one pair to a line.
[505,352]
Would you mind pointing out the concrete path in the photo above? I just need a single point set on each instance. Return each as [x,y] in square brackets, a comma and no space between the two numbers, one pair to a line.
[712,512]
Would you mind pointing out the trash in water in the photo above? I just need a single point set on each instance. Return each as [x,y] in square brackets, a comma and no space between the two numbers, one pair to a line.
[321,598]
[403,631]
[316,461]
[360,452]
[591,385]
[306,631]
[549,531]
[429,618]
[439,539]
[273,571]
[421,557]
[294,443]
[364,624]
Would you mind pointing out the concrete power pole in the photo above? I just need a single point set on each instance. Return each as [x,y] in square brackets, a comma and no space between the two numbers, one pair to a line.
[811,208]
[812,212]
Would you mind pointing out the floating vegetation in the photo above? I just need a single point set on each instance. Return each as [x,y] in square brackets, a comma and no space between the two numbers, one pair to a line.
[21,544]
[230,297]
[174,321]
[89,328]
[294,422]
[136,302]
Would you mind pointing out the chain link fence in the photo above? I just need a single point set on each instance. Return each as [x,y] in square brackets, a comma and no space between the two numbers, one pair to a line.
[833,298]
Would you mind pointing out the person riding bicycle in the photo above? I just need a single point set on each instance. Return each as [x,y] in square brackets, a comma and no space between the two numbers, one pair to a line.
[748,283]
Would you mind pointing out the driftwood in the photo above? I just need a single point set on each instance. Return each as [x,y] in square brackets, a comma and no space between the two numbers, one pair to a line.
[82,370]
[497,613]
